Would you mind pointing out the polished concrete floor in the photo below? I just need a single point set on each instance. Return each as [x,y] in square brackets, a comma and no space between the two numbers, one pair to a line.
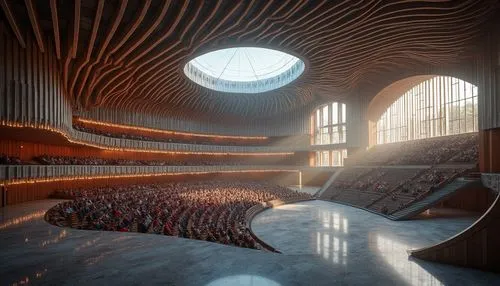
[364,248]
[323,244]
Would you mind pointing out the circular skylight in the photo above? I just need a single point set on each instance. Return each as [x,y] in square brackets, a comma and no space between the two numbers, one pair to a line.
[244,70]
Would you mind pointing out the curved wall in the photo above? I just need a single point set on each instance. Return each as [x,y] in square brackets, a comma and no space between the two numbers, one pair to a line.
[296,123]
[33,95]
[477,246]
[33,102]
[387,96]
[483,70]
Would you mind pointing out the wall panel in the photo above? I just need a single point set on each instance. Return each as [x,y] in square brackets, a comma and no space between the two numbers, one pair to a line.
[357,122]
[296,123]
[30,86]
[488,74]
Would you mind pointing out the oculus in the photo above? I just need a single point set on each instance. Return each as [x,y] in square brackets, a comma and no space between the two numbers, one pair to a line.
[244,69]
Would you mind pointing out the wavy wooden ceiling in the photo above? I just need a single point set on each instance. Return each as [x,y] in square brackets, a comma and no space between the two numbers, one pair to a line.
[130,54]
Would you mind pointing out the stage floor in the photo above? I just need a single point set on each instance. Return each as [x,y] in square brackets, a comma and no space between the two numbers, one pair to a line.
[323,243]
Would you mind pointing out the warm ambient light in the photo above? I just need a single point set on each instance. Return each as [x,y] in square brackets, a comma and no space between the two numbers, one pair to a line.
[125,176]
[244,69]
[170,132]
[48,128]
[22,219]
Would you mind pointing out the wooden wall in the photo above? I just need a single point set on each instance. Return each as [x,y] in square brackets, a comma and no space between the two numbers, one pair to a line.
[477,198]
[489,151]
[477,246]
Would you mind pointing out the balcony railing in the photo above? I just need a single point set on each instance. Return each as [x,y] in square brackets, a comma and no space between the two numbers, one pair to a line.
[33,172]
[111,142]
[10,173]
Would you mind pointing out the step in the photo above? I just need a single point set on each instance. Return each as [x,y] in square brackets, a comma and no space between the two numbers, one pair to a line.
[431,199]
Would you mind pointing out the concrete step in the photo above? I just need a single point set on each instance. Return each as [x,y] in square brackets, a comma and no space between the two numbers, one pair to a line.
[430,200]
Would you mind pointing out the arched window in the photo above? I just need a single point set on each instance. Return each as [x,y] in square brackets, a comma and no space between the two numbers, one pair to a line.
[436,107]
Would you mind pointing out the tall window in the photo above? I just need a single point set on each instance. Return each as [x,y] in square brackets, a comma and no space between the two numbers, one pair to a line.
[331,158]
[437,107]
[329,124]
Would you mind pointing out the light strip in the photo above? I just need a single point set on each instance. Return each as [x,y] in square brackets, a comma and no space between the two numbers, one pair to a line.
[122,126]
[25,218]
[73,178]
[48,128]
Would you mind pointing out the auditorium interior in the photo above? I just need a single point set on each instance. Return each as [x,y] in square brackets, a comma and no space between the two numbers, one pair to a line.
[250,142]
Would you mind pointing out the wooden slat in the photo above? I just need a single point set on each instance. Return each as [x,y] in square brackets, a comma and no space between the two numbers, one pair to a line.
[76,28]
[350,49]
[55,27]
[35,24]
[12,21]
[90,47]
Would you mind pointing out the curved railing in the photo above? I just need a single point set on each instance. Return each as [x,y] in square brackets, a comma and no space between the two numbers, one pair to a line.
[111,142]
[9,173]
[477,246]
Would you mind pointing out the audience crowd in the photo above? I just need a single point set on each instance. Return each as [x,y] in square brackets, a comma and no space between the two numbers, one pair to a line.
[461,148]
[421,186]
[206,210]
[388,189]
[385,180]
[215,211]
[9,160]
[469,155]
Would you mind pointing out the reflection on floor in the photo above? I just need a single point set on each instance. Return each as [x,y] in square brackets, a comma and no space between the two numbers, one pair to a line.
[360,242]
[323,244]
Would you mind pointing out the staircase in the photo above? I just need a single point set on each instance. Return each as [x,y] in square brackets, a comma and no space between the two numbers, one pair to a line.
[432,199]
[396,187]
[325,186]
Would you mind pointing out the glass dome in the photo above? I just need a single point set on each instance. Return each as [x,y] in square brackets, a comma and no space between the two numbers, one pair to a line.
[244,69]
